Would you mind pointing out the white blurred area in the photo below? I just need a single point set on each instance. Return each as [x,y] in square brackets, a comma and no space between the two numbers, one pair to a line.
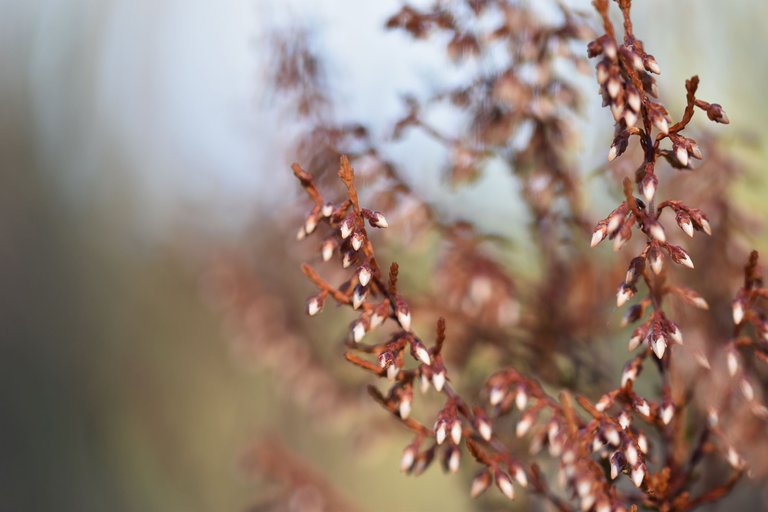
[160,107]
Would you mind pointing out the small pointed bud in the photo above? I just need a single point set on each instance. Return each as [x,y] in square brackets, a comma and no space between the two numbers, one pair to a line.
[326,251]
[613,152]
[347,225]
[613,87]
[706,226]
[358,331]
[659,346]
[456,432]
[392,372]
[630,118]
[496,395]
[346,260]
[505,485]
[657,262]
[610,50]
[583,486]
[454,459]
[301,234]
[408,458]
[733,362]
[521,399]
[696,151]
[598,235]
[615,465]
[649,186]
[326,210]
[376,320]
[423,383]
[520,477]
[480,483]
[642,443]
[364,275]
[629,374]
[630,452]
[405,407]
[315,305]
[612,435]
[386,359]
[682,155]
[661,124]
[420,352]
[638,474]
[667,413]
[624,294]
[624,420]
[438,380]
[657,232]
[603,403]
[642,407]
[685,260]
[614,221]
[441,432]
[523,425]
[675,334]
[358,297]
[485,429]
[310,223]
[635,340]
[651,64]
[357,241]
[403,315]
[738,311]
[633,99]
[377,219]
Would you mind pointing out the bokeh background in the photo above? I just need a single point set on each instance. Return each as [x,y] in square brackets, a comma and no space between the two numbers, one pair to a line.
[140,141]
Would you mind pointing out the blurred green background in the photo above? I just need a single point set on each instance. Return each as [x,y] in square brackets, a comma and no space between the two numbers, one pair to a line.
[136,142]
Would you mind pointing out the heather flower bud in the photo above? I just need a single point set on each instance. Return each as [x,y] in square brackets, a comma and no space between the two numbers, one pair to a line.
[377,220]
[520,477]
[642,407]
[659,345]
[667,412]
[420,352]
[315,304]
[326,250]
[629,374]
[310,223]
[624,294]
[484,428]
[357,241]
[599,234]
[386,359]
[657,232]
[480,483]
[637,338]
[638,474]
[326,210]
[453,460]
[642,443]
[364,275]
[408,458]
[423,383]
[346,259]
[613,87]
[504,483]
[624,420]
[496,395]
[524,425]
[615,465]
[403,314]
[661,124]
[747,390]
[392,371]
[649,184]
[603,403]
[456,432]
[358,296]
[441,431]
[679,256]
[404,407]
[346,227]
[630,452]
[657,260]
[716,113]
[521,399]
[633,99]
[681,153]
[651,65]
[301,234]
[738,310]
[438,379]
[612,435]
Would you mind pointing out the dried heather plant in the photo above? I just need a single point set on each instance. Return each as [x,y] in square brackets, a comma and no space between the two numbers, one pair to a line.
[659,443]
